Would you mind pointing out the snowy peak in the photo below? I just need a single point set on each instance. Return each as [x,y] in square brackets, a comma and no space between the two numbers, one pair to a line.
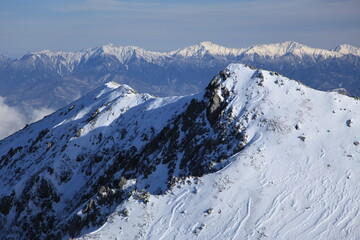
[70,60]
[62,62]
[205,48]
[276,49]
[347,49]
[125,54]
[67,59]
[281,49]
[265,50]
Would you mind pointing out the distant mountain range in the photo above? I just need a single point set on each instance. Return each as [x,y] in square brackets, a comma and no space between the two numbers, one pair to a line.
[254,155]
[53,79]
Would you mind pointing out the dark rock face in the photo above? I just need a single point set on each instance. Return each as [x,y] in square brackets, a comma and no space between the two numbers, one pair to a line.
[6,203]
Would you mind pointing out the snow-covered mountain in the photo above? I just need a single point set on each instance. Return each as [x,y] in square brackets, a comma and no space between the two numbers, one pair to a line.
[347,49]
[254,155]
[206,48]
[124,54]
[282,49]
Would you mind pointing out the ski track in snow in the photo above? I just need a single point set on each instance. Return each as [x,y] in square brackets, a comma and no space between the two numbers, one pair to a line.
[314,221]
[256,99]
[241,222]
[256,138]
[160,226]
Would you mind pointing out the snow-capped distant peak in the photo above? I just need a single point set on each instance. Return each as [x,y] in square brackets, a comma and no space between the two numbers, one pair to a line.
[204,48]
[276,48]
[209,45]
[125,53]
[112,85]
[347,49]
[69,60]
[280,49]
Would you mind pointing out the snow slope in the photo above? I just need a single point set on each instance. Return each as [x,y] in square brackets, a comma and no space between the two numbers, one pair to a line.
[253,156]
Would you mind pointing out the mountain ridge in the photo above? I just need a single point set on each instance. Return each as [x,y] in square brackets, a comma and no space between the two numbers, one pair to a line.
[270,49]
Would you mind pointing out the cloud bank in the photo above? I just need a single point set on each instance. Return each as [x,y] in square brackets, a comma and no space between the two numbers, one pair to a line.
[13,119]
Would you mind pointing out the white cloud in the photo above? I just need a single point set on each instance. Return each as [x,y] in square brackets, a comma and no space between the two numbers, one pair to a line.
[13,119]
[37,114]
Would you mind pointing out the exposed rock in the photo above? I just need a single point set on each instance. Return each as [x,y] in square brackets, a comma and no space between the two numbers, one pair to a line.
[209,211]
[122,182]
[6,203]
[302,138]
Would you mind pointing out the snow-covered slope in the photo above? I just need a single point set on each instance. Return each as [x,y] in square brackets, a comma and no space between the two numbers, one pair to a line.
[255,155]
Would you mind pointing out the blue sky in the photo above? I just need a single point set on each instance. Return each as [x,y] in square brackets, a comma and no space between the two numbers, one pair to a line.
[167,25]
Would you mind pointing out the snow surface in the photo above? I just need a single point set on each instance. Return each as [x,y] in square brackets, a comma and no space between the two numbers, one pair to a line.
[298,177]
